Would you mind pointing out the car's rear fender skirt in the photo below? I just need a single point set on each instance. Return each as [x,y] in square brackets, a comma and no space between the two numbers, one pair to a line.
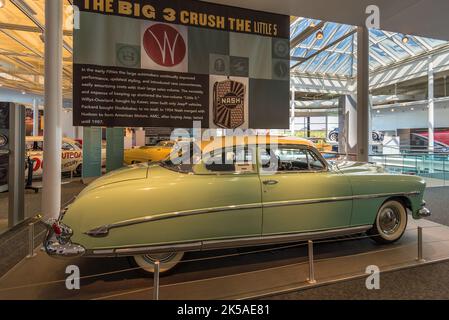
[226,243]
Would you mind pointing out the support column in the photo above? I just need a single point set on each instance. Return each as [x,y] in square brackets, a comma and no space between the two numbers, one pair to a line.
[308,127]
[16,179]
[362,94]
[51,194]
[347,123]
[292,112]
[431,110]
[35,117]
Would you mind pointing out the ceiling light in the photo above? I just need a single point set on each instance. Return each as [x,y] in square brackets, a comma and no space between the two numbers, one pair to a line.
[312,24]
[319,35]
[24,92]
[378,111]
[412,109]
[2,3]
[405,39]
[392,110]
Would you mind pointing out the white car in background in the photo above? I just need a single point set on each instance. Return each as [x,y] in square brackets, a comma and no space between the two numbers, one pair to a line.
[71,155]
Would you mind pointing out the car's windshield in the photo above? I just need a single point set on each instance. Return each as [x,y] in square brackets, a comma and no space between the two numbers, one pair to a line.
[168,144]
[182,157]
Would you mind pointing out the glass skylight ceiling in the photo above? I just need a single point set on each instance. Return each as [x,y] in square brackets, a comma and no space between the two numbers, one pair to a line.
[340,59]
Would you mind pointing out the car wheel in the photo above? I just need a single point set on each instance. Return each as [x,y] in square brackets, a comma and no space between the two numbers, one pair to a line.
[333,136]
[167,261]
[391,222]
[375,136]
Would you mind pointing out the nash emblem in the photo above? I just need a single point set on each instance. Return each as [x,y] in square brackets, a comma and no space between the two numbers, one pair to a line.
[229,104]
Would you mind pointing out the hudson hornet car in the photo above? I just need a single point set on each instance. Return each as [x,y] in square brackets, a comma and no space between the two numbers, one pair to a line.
[245,194]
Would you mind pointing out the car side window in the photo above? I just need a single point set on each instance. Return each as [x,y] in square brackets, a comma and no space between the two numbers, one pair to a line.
[290,159]
[34,146]
[230,160]
[67,147]
[314,162]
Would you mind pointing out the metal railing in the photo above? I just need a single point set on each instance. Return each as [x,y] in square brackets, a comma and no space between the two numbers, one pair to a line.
[433,167]
[311,262]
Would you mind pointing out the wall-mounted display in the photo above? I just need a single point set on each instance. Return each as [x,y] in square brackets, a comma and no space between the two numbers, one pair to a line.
[144,63]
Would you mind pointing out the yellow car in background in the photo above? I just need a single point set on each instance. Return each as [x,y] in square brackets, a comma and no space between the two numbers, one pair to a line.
[149,153]
[321,144]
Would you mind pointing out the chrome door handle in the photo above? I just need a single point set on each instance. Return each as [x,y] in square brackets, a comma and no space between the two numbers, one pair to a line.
[270,182]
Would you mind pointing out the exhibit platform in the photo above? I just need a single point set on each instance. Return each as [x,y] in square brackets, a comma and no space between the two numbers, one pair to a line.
[235,274]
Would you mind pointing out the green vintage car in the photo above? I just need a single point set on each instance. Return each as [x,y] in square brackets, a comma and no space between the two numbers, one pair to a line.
[246,193]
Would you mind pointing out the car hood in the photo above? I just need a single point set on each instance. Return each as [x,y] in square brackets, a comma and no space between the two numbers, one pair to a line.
[134,172]
[358,167]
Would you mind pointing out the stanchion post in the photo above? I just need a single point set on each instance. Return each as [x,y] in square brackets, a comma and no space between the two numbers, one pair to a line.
[31,253]
[420,249]
[311,279]
[156,280]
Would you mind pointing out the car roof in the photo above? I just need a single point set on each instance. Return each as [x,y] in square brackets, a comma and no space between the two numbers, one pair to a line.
[41,138]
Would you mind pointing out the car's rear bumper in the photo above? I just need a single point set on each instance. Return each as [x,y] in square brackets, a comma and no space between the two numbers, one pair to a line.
[57,241]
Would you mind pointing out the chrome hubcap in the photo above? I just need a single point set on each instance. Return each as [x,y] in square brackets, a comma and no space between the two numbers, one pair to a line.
[161,257]
[389,221]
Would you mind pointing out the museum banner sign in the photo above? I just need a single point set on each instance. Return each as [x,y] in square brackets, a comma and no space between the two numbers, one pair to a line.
[147,63]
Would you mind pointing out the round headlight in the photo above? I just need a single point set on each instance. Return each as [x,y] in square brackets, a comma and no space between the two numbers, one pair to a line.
[3,140]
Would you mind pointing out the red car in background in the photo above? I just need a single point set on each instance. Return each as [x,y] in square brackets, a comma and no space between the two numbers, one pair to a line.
[439,136]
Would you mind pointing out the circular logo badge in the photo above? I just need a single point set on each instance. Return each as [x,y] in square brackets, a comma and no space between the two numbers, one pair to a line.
[164,45]
[281,49]
[128,56]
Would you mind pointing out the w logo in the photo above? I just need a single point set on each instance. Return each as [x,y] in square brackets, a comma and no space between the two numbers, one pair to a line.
[164,45]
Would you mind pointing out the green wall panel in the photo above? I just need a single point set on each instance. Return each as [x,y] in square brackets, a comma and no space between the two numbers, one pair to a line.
[91,152]
[114,148]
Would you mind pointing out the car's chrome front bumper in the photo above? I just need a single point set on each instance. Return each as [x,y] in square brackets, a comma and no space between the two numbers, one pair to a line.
[424,211]
[57,241]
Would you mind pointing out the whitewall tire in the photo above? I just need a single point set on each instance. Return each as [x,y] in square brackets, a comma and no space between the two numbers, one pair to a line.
[167,261]
[391,222]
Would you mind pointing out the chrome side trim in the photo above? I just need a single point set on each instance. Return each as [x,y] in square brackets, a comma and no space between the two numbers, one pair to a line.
[336,199]
[381,195]
[103,231]
[228,243]
[195,246]
[282,238]
[288,203]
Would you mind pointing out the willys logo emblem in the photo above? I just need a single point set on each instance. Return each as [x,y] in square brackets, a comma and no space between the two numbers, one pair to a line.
[229,104]
[164,45]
